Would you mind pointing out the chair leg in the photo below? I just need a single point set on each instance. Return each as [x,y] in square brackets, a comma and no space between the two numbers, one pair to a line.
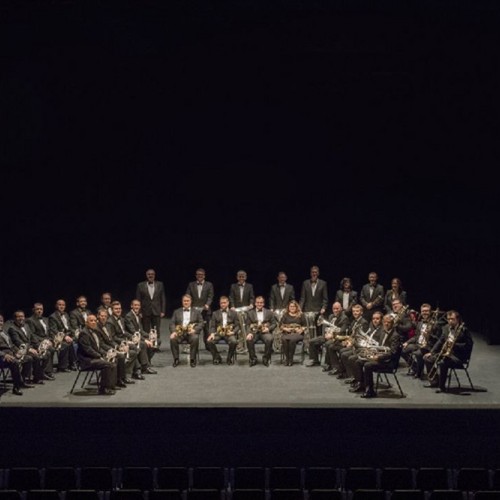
[74,383]
[403,395]
[468,376]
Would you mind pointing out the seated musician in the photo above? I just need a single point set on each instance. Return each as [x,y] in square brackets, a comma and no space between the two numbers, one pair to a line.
[452,350]
[338,325]
[402,321]
[292,327]
[186,326]
[225,326]
[261,323]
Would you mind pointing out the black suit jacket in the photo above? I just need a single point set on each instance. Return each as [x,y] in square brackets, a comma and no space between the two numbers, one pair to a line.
[234,295]
[132,325]
[155,306]
[194,317]
[275,300]
[353,299]
[207,294]
[88,348]
[232,319]
[77,319]
[18,336]
[462,348]
[310,303]
[56,324]
[269,318]
[377,298]
[116,331]
[37,329]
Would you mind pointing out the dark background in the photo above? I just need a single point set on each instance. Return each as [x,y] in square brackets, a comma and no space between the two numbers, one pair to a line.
[252,135]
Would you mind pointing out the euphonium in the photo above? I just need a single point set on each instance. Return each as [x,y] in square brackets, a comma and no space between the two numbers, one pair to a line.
[223,331]
[292,328]
[258,327]
[182,329]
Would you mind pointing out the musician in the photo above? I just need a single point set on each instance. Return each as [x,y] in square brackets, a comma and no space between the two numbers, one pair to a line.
[10,358]
[241,300]
[352,361]
[20,333]
[107,342]
[133,323]
[292,327]
[281,293]
[106,300]
[138,356]
[427,333]
[452,350]
[343,345]
[66,350]
[260,326]
[151,294]
[224,325]
[186,325]
[346,296]
[402,320]
[39,325]
[340,324]
[78,316]
[391,339]
[395,292]
[202,294]
[372,296]
[91,355]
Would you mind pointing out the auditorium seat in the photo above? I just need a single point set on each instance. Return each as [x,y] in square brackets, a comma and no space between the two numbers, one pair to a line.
[172,478]
[41,494]
[97,478]
[78,494]
[407,495]
[204,494]
[10,495]
[285,477]
[248,494]
[396,478]
[126,494]
[60,478]
[325,494]
[473,479]
[209,478]
[432,478]
[368,494]
[287,494]
[321,478]
[495,480]
[249,478]
[357,478]
[487,495]
[447,495]
[23,478]
[166,494]
[141,478]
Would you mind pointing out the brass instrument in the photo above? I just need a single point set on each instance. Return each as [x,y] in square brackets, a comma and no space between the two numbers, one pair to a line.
[278,314]
[292,328]
[225,331]
[363,340]
[397,317]
[182,329]
[21,353]
[43,348]
[367,353]
[124,347]
[258,327]
[153,337]
[111,355]
[58,340]
[136,339]
[332,328]
[445,351]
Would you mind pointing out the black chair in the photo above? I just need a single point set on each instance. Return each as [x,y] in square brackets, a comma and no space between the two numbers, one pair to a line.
[249,478]
[78,494]
[88,375]
[209,478]
[60,478]
[432,478]
[165,494]
[360,478]
[10,495]
[204,494]
[168,478]
[446,495]
[43,495]
[126,494]
[396,478]
[285,478]
[369,494]
[390,369]
[97,478]
[23,478]
[453,371]
[287,494]
[473,479]
[140,478]
[487,495]
[321,478]
[407,495]
[248,494]
[325,494]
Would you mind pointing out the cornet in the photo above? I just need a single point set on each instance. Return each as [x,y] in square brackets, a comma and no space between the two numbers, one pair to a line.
[153,337]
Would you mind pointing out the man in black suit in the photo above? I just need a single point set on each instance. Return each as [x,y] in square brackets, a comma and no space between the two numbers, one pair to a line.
[78,316]
[66,351]
[91,355]
[151,294]
[372,296]
[186,325]
[241,300]
[202,293]
[261,324]
[281,293]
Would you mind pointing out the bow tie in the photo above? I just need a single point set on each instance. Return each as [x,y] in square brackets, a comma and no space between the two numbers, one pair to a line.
[241,285]
[186,310]
[199,284]
[224,310]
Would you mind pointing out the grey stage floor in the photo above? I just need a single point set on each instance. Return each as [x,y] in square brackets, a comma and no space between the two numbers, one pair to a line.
[298,386]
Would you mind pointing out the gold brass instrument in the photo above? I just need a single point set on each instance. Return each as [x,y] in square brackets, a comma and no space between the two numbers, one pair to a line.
[182,329]
[292,328]
[445,351]
[397,317]
[21,353]
[258,327]
[58,340]
[44,347]
[225,331]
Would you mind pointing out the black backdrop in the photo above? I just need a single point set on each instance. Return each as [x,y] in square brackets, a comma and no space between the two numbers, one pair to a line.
[258,135]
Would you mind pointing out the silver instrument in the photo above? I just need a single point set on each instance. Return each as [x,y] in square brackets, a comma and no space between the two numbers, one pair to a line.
[58,340]
[153,337]
[44,348]
[111,355]
[278,314]
[21,353]
[367,353]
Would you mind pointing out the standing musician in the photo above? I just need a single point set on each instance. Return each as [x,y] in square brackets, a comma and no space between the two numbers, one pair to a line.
[372,296]
[427,333]
[151,294]
[339,324]
[391,340]
[313,302]
[292,327]
[453,349]
[346,296]
[281,293]
[260,326]
[202,294]
[224,325]
[395,292]
[66,349]
[343,345]
[186,325]
[241,300]
[92,356]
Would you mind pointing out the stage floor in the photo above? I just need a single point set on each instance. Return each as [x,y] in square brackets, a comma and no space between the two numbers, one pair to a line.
[223,386]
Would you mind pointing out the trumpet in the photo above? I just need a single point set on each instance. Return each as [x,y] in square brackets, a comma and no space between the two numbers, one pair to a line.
[225,331]
[111,355]
[136,339]
[123,347]
[58,340]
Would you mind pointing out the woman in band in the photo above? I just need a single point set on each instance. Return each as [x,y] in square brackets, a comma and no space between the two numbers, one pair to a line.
[292,326]
[395,292]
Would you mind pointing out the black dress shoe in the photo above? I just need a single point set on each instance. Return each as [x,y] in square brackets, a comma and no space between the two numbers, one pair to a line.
[25,385]
[48,376]
[253,362]
[369,394]
[349,380]
[357,388]
[313,363]
[230,361]
[217,361]
[138,376]
[176,362]
[341,375]
[106,392]
[327,368]
[63,370]
[441,390]
[149,370]
[265,361]
[17,391]
[40,382]
[127,380]
[335,371]
[192,363]
[73,368]
[121,384]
